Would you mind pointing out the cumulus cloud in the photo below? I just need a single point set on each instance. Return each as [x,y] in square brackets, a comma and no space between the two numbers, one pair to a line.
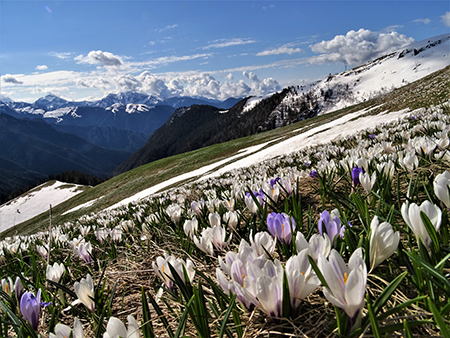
[153,85]
[97,57]
[424,21]
[127,83]
[357,47]
[285,49]
[228,42]
[262,87]
[41,67]
[7,78]
[446,19]
[251,76]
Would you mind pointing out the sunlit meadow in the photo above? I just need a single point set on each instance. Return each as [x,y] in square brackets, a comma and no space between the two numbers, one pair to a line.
[345,239]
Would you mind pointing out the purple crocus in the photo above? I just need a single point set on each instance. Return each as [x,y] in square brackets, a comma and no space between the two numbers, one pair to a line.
[355,175]
[279,226]
[30,307]
[273,182]
[313,174]
[372,136]
[333,227]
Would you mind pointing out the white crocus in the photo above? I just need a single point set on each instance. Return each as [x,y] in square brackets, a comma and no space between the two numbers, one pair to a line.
[442,187]
[55,271]
[301,278]
[204,243]
[231,218]
[8,286]
[190,227]
[346,284]
[410,161]
[64,331]
[262,242]
[116,329]
[383,242]
[174,211]
[163,271]
[411,215]
[367,181]
[266,285]
[214,219]
[84,290]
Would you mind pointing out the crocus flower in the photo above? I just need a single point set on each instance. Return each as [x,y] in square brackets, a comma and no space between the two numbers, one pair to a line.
[84,251]
[162,269]
[266,284]
[442,186]
[314,174]
[203,242]
[355,175]
[383,242]
[279,226]
[318,245]
[301,278]
[346,284]
[64,331]
[18,287]
[84,290]
[367,181]
[214,219]
[174,211]
[231,218]
[262,242]
[8,285]
[333,226]
[55,272]
[411,215]
[190,227]
[30,307]
[198,206]
[116,329]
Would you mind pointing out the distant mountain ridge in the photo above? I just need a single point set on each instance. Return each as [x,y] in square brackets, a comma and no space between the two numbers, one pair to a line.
[118,121]
[35,150]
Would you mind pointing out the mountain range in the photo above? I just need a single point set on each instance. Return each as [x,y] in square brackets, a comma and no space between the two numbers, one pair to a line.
[198,126]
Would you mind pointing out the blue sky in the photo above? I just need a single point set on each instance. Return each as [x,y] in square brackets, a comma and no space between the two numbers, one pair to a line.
[217,49]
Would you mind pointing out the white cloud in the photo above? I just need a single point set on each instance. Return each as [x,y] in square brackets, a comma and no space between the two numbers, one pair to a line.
[165,60]
[230,76]
[446,19]
[424,21]
[285,49]
[46,89]
[262,87]
[97,57]
[7,78]
[251,76]
[168,27]
[62,55]
[358,47]
[228,42]
[41,67]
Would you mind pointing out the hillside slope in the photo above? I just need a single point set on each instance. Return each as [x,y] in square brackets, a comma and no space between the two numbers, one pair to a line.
[173,171]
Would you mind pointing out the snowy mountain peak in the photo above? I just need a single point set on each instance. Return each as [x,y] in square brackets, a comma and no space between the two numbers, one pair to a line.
[376,77]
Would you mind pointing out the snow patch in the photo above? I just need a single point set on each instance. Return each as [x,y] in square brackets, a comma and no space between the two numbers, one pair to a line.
[35,202]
